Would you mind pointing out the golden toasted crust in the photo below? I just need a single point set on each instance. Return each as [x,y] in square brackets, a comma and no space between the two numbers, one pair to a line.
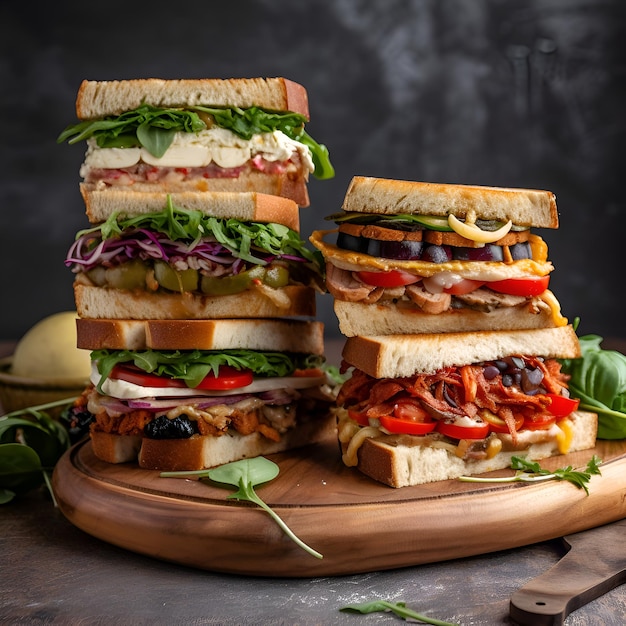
[248,206]
[301,336]
[97,99]
[524,207]
[102,303]
[394,356]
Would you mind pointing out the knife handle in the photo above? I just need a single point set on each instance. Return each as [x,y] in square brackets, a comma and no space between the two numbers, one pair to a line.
[575,580]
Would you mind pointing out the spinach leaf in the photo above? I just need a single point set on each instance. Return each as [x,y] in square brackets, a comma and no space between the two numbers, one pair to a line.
[245,475]
[154,128]
[598,378]
[30,447]
[398,608]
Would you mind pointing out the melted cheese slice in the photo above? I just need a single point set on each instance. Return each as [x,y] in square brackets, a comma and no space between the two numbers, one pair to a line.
[474,270]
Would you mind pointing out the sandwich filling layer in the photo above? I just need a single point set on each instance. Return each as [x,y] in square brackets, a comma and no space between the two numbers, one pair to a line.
[476,410]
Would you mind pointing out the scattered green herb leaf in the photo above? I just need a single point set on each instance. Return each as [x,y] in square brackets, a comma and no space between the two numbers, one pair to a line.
[598,378]
[245,475]
[531,471]
[398,608]
[31,443]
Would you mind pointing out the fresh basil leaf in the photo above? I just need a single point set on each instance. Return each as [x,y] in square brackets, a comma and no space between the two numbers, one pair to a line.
[155,140]
[598,378]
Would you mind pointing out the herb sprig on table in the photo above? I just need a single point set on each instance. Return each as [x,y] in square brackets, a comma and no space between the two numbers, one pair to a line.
[531,471]
[246,475]
[397,608]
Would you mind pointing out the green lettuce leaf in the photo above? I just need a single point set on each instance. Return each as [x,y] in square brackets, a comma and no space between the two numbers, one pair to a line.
[240,238]
[194,365]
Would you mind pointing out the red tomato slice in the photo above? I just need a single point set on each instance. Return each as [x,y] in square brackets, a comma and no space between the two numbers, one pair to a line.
[406,426]
[464,286]
[392,278]
[521,286]
[458,431]
[360,418]
[561,406]
[542,421]
[228,378]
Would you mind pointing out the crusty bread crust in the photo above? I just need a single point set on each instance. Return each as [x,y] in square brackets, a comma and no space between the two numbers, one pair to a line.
[201,452]
[395,356]
[97,99]
[359,318]
[402,464]
[306,337]
[101,303]
[525,207]
[247,206]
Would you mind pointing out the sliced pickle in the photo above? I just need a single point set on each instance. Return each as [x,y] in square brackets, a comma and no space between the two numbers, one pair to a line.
[276,276]
[98,276]
[131,275]
[175,280]
[225,285]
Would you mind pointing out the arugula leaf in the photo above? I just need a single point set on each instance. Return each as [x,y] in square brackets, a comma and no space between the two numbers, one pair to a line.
[240,238]
[598,378]
[245,475]
[398,608]
[154,128]
[194,365]
[531,471]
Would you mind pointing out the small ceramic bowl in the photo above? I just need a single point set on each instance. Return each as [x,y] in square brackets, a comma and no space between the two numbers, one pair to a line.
[17,392]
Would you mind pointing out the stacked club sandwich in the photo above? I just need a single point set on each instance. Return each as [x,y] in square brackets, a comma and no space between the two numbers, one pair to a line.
[453,338]
[194,290]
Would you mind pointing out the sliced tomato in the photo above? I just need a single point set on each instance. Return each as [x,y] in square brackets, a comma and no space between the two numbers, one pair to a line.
[227,378]
[464,286]
[460,431]
[541,421]
[359,417]
[392,278]
[521,286]
[406,426]
[562,406]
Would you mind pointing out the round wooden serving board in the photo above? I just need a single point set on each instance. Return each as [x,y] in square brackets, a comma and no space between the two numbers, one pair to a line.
[357,524]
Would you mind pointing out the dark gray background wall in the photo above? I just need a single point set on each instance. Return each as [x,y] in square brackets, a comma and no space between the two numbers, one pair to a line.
[496,92]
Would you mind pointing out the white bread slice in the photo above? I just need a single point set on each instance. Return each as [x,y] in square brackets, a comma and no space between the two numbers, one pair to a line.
[306,337]
[524,207]
[402,461]
[97,99]
[247,206]
[200,452]
[395,356]
[358,318]
[285,184]
[101,303]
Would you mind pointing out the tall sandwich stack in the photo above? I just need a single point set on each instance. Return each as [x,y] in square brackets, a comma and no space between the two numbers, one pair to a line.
[194,289]
[453,337]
